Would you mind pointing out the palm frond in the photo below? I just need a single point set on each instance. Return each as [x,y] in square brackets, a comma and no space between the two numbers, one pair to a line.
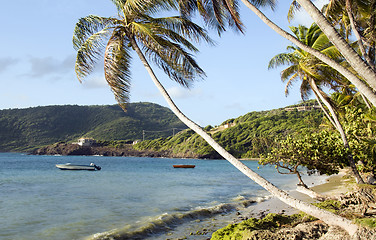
[187,8]
[288,72]
[333,53]
[321,42]
[290,80]
[181,26]
[133,7]
[305,90]
[219,12]
[117,67]
[309,69]
[233,8]
[88,26]
[312,34]
[177,63]
[282,59]
[294,7]
[205,8]
[89,52]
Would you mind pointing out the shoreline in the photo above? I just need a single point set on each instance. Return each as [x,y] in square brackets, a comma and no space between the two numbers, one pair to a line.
[203,229]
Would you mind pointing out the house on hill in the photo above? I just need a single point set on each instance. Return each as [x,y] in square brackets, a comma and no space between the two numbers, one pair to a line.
[86,142]
[302,108]
[228,125]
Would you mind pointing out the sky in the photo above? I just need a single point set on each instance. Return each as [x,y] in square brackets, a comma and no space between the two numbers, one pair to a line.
[37,64]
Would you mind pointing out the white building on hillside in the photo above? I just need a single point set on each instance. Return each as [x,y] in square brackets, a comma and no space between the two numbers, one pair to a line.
[85,142]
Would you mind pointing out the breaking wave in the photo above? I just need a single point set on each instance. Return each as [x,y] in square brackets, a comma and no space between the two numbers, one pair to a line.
[166,222]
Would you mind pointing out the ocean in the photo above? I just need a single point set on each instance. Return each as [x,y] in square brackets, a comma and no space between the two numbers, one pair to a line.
[133,197]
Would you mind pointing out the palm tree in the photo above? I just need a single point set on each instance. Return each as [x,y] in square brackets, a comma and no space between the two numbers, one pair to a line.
[161,41]
[160,38]
[352,57]
[362,87]
[345,14]
[357,16]
[312,73]
[222,6]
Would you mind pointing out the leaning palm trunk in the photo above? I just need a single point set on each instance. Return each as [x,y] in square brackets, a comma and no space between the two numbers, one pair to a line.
[324,110]
[312,194]
[359,84]
[357,35]
[339,128]
[347,51]
[324,215]
[366,101]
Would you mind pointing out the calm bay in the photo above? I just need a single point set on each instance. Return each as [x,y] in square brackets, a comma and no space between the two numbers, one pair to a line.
[129,194]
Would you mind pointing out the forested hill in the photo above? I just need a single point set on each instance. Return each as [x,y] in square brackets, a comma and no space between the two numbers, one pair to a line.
[25,129]
[245,137]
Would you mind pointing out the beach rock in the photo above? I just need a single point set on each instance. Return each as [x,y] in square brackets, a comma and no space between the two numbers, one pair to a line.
[335,233]
[365,233]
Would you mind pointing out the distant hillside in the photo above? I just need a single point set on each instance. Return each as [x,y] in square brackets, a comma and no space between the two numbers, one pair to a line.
[26,129]
[245,137]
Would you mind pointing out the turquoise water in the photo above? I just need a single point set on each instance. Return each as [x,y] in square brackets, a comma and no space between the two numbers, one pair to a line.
[39,201]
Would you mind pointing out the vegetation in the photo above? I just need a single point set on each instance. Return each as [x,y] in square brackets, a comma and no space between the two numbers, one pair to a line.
[25,129]
[318,152]
[271,222]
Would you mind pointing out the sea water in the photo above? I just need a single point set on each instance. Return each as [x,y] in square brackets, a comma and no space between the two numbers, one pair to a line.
[135,196]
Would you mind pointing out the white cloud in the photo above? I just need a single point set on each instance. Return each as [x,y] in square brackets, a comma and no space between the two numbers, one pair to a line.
[44,66]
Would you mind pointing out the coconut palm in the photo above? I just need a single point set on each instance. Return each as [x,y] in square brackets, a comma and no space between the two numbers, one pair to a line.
[161,41]
[253,5]
[305,67]
[160,38]
[356,62]
[365,89]
[357,16]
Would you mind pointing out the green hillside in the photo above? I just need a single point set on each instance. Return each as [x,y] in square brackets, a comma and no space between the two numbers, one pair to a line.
[245,137]
[26,129]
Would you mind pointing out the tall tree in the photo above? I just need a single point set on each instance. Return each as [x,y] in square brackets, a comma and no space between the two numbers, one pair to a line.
[352,57]
[254,5]
[162,42]
[357,17]
[305,67]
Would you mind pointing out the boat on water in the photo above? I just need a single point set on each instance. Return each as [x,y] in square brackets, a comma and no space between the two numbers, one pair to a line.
[69,166]
[184,166]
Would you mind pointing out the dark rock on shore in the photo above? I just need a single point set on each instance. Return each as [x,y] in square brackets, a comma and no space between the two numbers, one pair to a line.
[75,149]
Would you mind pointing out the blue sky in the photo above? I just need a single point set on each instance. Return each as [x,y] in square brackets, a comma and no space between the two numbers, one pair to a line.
[37,64]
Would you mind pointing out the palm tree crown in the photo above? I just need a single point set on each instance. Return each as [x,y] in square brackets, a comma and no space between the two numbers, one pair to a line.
[303,65]
[161,39]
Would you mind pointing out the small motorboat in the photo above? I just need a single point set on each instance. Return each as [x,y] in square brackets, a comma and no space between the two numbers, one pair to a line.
[184,166]
[69,166]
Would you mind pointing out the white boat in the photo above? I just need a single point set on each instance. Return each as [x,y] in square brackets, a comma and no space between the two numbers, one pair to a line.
[69,166]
